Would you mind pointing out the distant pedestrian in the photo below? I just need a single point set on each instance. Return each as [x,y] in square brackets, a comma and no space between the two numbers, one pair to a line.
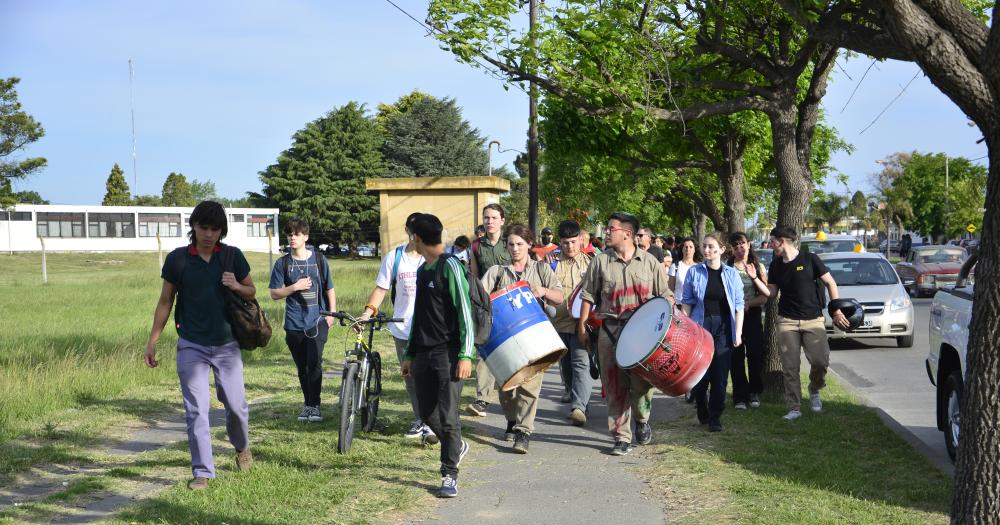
[302,278]
[480,231]
[690,255]
[205,342]
[644,240]
[748,359]
[460,249]
[598,243]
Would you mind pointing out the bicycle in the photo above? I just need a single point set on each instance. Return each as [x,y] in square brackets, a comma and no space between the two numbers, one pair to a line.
[361,381]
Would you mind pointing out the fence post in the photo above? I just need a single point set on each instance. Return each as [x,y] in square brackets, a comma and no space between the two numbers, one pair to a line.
[159,250]
[45,270]
[270,255]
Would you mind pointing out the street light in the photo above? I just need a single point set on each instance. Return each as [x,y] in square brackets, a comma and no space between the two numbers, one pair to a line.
[489,154]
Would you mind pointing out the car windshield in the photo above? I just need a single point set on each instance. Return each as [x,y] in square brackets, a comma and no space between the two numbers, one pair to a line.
[940,256]
[861,272]
[765,257]
[829,246]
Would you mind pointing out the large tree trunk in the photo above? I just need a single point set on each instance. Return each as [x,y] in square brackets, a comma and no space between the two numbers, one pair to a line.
[735,211]
[699,225]
[977,468]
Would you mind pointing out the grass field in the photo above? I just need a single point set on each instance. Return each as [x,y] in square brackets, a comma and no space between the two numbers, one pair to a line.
[72,383]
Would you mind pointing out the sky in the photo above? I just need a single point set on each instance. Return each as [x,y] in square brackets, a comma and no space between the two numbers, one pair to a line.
[220,87]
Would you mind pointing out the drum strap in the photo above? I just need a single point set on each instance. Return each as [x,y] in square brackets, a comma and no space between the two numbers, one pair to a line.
[612,336]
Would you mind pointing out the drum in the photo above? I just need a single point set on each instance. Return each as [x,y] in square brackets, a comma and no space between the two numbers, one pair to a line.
[523,343]
[576,305]
[665,347]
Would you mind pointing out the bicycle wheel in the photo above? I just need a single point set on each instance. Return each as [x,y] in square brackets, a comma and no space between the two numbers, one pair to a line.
[373,390]
[348,407]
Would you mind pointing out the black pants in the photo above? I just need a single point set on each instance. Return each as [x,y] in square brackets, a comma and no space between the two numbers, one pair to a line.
[307,352]
[718,372]
[439,393]
[749,358]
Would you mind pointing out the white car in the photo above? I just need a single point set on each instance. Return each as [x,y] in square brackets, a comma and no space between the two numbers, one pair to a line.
[870,279]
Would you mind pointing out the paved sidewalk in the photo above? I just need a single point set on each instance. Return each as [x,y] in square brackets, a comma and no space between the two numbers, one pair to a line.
[568,477]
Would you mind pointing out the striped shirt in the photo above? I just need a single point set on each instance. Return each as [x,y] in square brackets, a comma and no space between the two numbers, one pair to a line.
[617,287]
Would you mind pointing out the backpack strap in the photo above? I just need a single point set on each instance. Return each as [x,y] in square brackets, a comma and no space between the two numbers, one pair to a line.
[180,261]
[285,259]
[322,267]
[395,272]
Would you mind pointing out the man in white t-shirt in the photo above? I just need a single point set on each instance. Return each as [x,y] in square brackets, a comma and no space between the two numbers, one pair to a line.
[398,278]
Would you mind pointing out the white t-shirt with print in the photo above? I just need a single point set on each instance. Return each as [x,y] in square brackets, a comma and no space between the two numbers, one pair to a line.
[678,271]
[406,289]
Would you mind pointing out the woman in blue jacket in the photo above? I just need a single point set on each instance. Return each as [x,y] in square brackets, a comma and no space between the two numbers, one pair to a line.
[713,296]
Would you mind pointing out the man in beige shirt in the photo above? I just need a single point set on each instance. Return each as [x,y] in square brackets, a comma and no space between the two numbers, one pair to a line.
[619,281]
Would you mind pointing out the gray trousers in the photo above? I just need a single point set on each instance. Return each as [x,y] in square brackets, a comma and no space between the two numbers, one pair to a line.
[408,380]
[193,364]
[574,367]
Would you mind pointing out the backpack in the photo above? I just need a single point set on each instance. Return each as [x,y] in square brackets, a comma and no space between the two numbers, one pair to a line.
[246,318]
[321,268]
[482,309]
[395,273]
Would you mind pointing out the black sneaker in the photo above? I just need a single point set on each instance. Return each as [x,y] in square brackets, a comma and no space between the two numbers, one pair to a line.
[643,433]
[477,408]
[521,440]
[714,425]
[508,434]
[621,448]
[754,400]
[449,487]
[462,452]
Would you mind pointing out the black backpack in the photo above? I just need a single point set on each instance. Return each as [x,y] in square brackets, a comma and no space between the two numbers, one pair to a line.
[482,309]
[246,318]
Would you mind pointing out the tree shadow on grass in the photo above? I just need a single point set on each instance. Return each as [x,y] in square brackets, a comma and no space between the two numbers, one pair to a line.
[159,511]
[846,450]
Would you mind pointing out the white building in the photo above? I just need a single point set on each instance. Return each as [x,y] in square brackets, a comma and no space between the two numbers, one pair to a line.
[69,228]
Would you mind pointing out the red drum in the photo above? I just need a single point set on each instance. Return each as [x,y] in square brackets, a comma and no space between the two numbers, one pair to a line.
[576,305]
[665,347]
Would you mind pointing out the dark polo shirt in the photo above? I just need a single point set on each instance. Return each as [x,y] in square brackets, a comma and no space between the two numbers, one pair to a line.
[201,298]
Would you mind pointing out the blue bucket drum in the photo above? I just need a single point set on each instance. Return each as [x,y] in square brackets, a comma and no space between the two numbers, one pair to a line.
[523,343]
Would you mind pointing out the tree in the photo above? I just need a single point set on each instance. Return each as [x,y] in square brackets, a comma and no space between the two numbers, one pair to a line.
[29,197]
[148,200]
[923,179]
[117,189]
[17,130]
[432,140]
[405,103]
[203,191]
[828,209]
[957,45]
[322,176]
[7,197]
[177,191]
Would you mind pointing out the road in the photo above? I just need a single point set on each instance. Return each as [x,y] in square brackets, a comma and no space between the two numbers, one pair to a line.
[894,380]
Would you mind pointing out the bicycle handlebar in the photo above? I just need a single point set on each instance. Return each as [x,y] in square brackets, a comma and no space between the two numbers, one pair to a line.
[344,316]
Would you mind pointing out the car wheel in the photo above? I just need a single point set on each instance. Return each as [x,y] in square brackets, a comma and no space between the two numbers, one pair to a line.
[953,401]
[904,341]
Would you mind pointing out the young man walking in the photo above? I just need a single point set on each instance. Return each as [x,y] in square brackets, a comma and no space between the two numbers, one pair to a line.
[799,277]
[487,252]
[618,281]
[440,349]
[302,278]
[205,340]
[398,278]
[574,366]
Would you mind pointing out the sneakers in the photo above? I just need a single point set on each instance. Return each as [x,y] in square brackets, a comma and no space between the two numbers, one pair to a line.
[198,484]
[508,435]
[643,433]
[815,403]
[714,425]
[477,408]
[449,487]
[620,448]
[754,400]
[427,432]
[566,398]
[521,440]
[244,460]
[578,416]
[792,415]
[416,430]
[314,415]
[740,406]
[462,452]
[429,438]
[304,415]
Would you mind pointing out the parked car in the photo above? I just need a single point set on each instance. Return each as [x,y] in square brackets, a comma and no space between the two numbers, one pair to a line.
[893,246]
[870,279]
[928,268]
[832,243]
[366,251]
[766,255]
[951,313]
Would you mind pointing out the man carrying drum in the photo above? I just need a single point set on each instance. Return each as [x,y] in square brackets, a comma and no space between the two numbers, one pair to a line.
[575,365]
[618,282]
[520,404]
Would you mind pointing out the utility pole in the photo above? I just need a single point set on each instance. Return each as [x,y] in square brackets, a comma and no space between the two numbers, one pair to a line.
[131,99]
[533,128]
[947,197]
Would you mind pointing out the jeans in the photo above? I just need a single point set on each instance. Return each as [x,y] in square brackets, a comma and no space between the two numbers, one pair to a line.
[438,395]
[194,362]
[307,352]
[575,370]
[748,359]
[718,371]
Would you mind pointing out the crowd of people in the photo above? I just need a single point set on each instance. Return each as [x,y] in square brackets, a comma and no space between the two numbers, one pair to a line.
[717,281]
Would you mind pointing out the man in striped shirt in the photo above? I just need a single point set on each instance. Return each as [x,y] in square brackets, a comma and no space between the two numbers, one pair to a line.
[440,349]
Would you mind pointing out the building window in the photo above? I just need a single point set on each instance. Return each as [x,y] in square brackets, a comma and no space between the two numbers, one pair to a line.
[259,225]
[237,217]
[166,224]
[60,224]
[15,216]
[111,225]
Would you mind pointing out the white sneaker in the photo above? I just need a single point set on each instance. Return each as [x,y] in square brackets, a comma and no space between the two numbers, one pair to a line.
[792,415]
[740,406]
[815,403]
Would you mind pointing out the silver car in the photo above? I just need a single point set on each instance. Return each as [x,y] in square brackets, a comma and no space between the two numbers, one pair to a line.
[870,279]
